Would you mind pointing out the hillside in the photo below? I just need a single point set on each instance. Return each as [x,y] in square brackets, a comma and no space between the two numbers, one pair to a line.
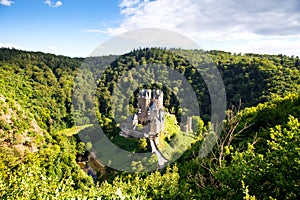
[257,154]
[249,79]
[19,133]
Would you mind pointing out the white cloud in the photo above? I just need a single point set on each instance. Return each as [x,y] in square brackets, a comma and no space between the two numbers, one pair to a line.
[263,45]
[215,20]
[52,4]
[129,7]
[217,17]
[6,2]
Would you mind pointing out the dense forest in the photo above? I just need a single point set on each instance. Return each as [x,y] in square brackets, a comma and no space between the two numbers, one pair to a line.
[256,156]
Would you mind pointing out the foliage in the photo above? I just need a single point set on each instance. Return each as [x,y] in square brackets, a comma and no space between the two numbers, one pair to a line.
[270,175]
[41,83]
[265,171]
[39,144]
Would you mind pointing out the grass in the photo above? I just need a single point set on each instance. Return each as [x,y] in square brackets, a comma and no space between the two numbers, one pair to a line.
[174,142]
[171,126]
[178,145]
[73,131]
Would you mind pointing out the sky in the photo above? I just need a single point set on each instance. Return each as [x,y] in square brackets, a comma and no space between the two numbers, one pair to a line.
[76,27]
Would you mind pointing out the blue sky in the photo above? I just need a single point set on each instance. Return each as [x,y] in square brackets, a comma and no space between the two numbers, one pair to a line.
[77,27]
[34,25]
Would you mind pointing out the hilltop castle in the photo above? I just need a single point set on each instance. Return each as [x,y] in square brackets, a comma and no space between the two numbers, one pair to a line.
[150,114]
[151,117]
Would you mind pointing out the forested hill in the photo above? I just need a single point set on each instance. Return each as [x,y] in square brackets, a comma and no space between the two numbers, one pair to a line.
[254,78]
[43,83]
[249,79]
[257,155]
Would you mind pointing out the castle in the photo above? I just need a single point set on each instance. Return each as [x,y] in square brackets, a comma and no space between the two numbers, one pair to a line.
[149,120]
[150,115]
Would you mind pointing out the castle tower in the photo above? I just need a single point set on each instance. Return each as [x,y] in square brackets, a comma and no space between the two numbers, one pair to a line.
[150,109]
[157,97]
[160,99]
[144,101]
[152,119]
[189,124]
